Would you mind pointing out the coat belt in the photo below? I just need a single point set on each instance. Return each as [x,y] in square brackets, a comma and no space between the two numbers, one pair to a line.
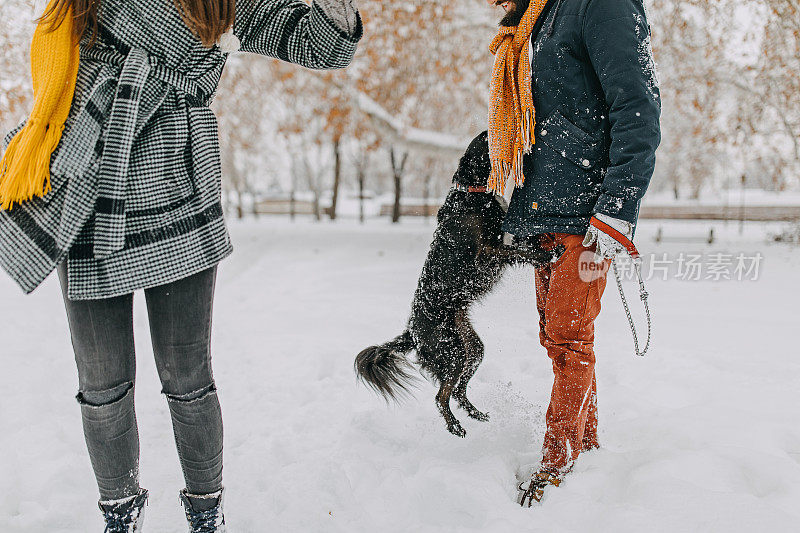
[136,68]
[158,71]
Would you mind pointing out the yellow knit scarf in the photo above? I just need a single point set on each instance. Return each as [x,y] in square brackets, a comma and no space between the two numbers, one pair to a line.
[511,112]
[25,167]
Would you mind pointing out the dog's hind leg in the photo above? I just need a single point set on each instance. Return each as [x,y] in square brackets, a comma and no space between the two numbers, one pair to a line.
[474,356]
[443,403]
[452,352]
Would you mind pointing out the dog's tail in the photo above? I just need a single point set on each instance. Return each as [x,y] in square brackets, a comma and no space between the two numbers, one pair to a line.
[385,368]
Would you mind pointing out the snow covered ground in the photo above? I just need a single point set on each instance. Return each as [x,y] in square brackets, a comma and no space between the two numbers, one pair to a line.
[700,435]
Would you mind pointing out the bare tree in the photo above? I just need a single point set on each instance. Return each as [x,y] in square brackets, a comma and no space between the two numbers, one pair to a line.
[364,144]
[337,175]
[398,168]
[311,156]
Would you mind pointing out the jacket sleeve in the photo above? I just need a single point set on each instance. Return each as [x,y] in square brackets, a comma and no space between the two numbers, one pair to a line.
[617,38]
[293,31]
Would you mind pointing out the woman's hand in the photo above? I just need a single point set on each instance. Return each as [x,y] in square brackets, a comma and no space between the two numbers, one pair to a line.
[344,13]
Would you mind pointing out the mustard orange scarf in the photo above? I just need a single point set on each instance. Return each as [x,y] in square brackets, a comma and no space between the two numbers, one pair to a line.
[511,112]
[25,167]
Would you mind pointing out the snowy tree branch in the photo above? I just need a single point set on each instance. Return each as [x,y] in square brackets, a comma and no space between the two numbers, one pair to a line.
[398,132]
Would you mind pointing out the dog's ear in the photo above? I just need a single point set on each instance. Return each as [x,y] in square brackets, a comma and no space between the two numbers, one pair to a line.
[474,166]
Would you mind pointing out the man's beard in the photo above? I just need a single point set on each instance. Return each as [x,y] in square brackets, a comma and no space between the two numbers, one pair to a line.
[513,18]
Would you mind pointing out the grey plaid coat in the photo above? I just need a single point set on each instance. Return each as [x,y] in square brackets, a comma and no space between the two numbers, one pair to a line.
[136,179]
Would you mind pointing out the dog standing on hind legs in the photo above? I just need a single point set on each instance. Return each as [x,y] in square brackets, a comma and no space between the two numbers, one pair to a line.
[466,259]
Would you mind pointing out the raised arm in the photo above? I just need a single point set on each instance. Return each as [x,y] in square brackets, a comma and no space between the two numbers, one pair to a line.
[320,36]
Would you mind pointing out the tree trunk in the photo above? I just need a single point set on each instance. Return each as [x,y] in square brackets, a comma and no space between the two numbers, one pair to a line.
[396,206]
[337,174]
[314,178]
[292,207]
[741,205]
[361,174]
[252,194]
[397,171]
[239,207]
[317,213]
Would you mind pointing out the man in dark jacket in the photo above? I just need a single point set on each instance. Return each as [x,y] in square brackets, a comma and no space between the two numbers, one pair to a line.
[597,106]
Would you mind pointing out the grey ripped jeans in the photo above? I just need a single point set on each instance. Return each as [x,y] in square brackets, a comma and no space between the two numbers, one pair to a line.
[102,338]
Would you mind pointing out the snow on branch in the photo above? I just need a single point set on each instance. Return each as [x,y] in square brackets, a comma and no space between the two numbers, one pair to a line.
[412,138]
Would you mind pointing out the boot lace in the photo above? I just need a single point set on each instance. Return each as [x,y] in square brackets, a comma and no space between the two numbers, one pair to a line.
[118,522]
[204,521]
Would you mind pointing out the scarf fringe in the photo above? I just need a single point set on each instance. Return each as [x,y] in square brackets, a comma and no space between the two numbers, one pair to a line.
[25,168]
[528,125]
[498,177]
[519,176]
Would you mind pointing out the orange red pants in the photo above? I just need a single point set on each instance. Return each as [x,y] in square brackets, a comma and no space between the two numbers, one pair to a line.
[568,296]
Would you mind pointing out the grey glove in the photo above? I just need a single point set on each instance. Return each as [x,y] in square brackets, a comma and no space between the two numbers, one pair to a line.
[607,246]
[343,13]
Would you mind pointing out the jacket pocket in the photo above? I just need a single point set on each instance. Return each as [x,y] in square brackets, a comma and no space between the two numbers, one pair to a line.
[567,139]
[159,172]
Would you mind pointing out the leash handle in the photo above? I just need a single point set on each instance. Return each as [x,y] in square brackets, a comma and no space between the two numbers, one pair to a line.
[643,297]
[618,236]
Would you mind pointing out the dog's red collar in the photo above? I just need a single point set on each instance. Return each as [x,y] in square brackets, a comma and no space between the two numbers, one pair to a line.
[463,188]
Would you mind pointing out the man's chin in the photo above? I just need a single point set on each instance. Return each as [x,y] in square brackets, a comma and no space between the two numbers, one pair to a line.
[514,17]
[510,20]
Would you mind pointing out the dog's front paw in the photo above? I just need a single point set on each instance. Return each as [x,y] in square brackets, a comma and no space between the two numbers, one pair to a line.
[541,256]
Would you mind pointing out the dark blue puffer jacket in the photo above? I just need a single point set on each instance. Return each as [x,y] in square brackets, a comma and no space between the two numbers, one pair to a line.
[597,111]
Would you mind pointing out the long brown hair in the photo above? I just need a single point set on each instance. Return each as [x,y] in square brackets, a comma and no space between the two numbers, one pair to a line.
[208,19]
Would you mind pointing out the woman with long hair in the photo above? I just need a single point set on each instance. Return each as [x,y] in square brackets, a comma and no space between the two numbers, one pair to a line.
[114,181]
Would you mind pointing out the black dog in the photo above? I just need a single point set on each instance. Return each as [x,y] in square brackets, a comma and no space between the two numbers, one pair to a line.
[465,261]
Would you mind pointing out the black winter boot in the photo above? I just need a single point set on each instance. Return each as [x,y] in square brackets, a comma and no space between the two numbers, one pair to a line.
[204,512]
[124,515]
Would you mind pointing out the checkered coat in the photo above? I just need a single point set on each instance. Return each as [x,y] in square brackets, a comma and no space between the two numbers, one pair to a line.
[136,179]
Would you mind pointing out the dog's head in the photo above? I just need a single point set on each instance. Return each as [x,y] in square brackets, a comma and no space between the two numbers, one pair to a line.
[474,166]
